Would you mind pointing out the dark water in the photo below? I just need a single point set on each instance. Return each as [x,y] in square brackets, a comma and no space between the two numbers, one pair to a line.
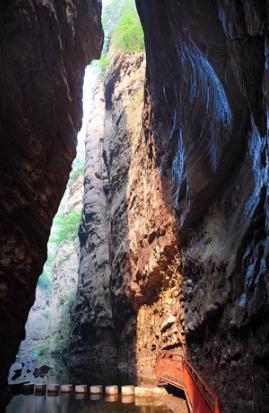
[65,403]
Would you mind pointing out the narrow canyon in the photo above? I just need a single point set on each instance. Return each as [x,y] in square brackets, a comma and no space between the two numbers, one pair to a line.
[161,243]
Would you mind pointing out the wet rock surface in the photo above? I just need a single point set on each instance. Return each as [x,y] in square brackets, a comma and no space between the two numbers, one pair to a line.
[45,47]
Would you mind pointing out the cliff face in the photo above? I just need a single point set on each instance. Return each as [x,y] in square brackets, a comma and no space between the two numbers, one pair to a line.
[45,47]
[48,324]
[97,323]
[205,118]
[127,308]
[174,237]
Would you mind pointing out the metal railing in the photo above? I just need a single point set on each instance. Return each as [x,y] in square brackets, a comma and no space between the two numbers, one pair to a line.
[175,370]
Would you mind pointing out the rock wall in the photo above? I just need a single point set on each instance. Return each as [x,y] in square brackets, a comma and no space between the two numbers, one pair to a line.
[65,276]
[174,240]
[127,308]
[45,47]
[101,309]
[37,327]
[207,88]
[48,324]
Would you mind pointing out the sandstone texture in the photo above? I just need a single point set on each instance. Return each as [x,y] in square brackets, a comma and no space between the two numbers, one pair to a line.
[45,46]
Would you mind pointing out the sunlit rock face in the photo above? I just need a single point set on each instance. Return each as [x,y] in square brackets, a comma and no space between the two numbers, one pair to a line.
[45,47]
[205,127]
[103,319]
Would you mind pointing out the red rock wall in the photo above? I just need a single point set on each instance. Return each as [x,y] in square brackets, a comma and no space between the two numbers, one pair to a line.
[44,48]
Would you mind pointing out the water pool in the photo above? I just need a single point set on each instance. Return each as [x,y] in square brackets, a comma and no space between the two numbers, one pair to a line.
[76,403]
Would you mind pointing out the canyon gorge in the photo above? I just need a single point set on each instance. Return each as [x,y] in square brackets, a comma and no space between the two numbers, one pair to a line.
[172,250]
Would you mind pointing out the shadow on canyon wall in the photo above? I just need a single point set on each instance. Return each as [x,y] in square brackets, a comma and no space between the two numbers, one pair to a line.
[40,116]
[207,84]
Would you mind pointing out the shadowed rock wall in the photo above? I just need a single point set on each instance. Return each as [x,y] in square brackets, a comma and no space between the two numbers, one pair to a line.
[187,256]
[207,88]
[45,46]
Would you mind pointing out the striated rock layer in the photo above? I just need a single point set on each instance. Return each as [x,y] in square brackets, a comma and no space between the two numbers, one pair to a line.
[127,305]
[45,46]
[102,309]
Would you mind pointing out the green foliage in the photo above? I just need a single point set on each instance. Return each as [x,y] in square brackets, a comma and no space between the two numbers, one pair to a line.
[47,314]
[110,17]
[66,227]
[122,26]
[41,349]
[103,62]
[77,170]
[128,34]
[60,342]
[45,281]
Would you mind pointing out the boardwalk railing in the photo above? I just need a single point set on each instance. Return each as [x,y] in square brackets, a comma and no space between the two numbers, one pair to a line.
[173,369]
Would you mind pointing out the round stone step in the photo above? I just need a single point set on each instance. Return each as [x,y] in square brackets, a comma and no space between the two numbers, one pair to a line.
[28,388]
[96,389]
[127,390]
[40,388]
[67,388]
[111,390]
[53,388]
[81,388]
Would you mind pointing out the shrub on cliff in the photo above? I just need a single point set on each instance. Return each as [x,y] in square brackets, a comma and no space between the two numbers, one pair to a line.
[128,34]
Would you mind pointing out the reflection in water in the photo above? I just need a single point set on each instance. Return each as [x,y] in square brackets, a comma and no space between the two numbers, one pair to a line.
[70,403]
[127,399]
[111,397]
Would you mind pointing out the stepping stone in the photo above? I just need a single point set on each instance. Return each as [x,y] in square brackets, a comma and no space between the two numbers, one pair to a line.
[127,390]
[149,391]
[67,388]
[127,399]
[81,388]
[96,389]
[28,388]
[111,390]
[53,388]
[40,388]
